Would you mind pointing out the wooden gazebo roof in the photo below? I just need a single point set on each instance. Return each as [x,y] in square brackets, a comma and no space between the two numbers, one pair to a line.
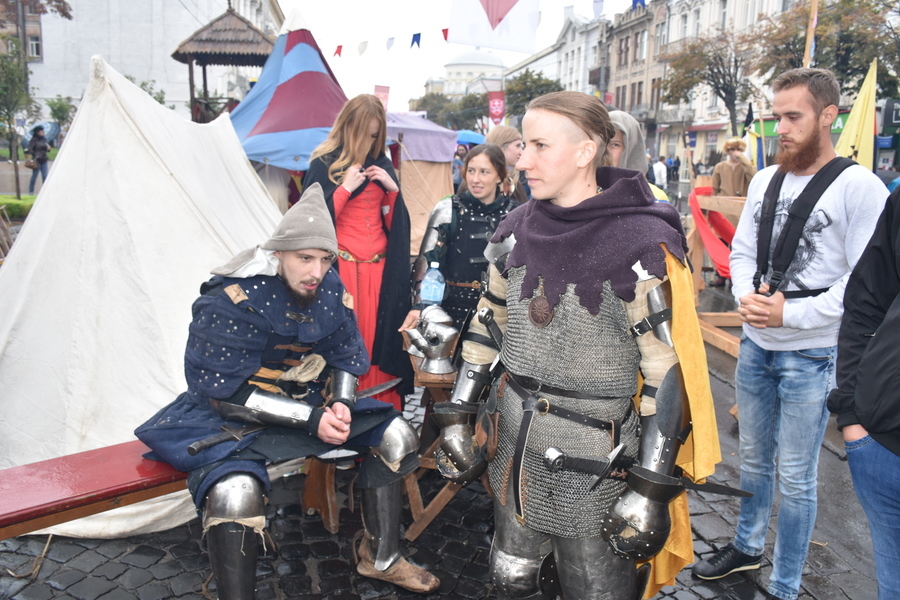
[229,39]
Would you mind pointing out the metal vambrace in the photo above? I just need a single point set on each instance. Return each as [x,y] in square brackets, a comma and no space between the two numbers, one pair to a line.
[458,456]
[341,387]
[638,524]
[267,408]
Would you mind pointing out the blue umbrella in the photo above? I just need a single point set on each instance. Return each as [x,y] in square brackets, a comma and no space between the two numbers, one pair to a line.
[467,136]
[51,130]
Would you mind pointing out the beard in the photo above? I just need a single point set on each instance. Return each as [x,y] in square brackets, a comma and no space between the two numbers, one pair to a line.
[804,155]
[300,299]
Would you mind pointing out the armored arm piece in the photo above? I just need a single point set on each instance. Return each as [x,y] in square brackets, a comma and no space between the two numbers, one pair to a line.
[433,243]
[638,524]
[458,456]
[341,387]
[269,408]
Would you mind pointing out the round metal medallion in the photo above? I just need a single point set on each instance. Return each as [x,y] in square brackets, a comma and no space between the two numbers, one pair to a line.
[539,312]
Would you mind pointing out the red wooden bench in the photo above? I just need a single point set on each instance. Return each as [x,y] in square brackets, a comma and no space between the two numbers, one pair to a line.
[58,490]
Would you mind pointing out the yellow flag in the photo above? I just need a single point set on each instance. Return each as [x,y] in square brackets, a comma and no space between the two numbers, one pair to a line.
[857,141]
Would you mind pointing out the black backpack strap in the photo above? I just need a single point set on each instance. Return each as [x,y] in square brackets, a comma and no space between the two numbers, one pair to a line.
[792,231]
[766,225]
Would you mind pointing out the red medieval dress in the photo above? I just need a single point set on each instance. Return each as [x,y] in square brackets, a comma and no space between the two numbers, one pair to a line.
[360,225]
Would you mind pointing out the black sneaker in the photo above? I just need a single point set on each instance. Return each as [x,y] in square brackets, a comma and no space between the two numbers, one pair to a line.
[727,561]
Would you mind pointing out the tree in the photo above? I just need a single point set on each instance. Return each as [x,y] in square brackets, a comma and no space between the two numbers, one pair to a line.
[849,34]
[38,7]
[718,61]
[61,110]
[149,88]
[468,113]
[435,106]
[13,100]
[522,89]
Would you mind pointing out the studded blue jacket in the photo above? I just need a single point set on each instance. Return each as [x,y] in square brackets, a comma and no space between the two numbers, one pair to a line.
[246,332]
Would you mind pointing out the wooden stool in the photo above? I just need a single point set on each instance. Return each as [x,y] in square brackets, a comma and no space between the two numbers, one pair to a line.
[319,494]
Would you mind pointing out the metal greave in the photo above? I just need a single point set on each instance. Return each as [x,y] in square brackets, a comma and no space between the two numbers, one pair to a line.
[381,519]
[233,547]
[233,553]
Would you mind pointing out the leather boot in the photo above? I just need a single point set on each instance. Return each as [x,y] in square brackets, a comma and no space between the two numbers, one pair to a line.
[378,556]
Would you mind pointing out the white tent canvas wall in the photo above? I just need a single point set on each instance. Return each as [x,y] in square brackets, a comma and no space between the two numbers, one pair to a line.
[96,293]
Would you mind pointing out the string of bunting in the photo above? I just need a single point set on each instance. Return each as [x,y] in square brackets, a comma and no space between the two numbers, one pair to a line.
[415,41]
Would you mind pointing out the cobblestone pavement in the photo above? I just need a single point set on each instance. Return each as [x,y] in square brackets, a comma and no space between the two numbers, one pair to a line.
[306,562]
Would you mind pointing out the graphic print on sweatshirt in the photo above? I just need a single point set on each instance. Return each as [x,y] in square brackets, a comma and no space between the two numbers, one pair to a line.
[808,253]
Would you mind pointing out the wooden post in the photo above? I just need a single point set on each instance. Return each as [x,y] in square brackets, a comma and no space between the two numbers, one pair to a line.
[191,85]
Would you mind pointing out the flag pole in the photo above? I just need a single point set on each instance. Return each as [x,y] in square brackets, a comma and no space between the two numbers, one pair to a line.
[762,137]
[811,32]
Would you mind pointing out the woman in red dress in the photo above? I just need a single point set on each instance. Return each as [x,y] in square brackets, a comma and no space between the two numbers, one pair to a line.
[372,224]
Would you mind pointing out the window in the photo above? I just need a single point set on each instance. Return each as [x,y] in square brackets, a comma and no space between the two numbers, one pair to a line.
[724,6]
[640,94]
[623,51]
[697,22]
[34,46]
[684,26]
[661,38]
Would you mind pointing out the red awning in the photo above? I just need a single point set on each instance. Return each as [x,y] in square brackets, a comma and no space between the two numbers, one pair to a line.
[708,127]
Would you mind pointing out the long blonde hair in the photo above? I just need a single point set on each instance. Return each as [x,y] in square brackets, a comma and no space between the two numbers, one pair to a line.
[350,135]
[503,135]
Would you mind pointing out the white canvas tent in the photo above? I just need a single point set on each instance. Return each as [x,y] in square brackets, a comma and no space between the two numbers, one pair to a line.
[95,295]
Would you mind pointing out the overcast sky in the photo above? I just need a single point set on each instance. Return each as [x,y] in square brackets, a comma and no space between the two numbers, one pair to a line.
[405,69]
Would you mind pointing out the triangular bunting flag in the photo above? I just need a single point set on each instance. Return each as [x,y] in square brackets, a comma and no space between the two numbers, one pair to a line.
[416,40]
[362,47]
[390,42]
[496,10]
[337,52]
[445,32]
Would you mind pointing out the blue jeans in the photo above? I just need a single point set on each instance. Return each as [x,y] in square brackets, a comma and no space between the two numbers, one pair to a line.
[42,169]
[781,403]
[876,479]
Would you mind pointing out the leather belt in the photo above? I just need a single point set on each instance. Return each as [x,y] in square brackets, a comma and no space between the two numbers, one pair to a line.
[532,404]
[475,285]
[534,386]
[350,258]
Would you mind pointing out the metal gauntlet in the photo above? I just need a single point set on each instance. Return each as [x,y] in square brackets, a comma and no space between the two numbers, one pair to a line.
[458,457]
[638,524]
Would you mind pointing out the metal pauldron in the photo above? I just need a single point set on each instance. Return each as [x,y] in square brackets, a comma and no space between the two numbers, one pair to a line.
[266,408]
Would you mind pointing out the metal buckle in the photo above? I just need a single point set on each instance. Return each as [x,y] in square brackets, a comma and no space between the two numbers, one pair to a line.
[640,328]
[546,404]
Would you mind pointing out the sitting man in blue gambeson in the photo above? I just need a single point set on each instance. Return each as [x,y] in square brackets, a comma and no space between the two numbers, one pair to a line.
[274,353]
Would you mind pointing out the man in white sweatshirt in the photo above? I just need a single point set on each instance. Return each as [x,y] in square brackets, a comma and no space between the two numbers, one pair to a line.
[786,364]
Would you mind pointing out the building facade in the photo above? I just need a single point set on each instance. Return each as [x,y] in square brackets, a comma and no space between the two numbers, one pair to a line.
[138,39]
